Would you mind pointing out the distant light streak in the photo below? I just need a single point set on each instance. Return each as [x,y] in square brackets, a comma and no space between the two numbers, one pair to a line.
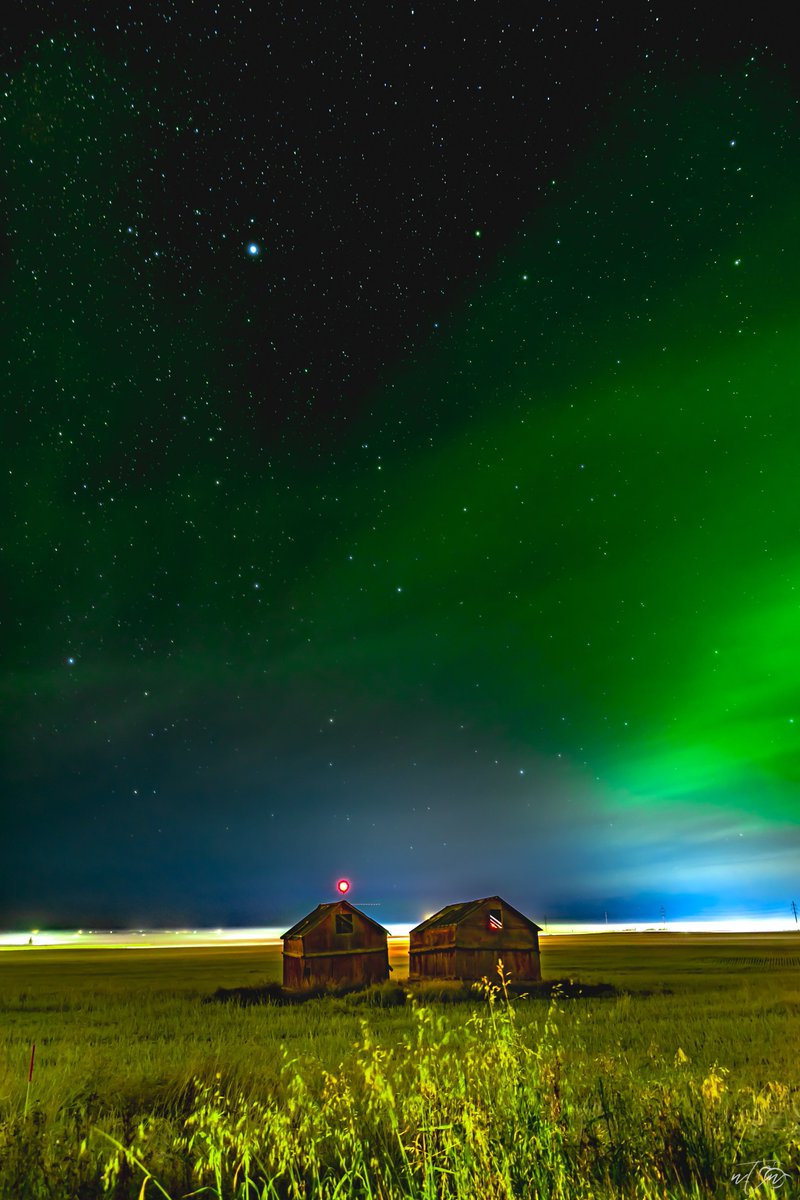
[153,939]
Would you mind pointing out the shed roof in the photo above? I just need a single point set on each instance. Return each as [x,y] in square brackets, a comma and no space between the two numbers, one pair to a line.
[318,915]
[454,914]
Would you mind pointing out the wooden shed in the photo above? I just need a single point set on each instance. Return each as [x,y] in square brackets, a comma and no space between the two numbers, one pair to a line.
[336,943]
[464,941]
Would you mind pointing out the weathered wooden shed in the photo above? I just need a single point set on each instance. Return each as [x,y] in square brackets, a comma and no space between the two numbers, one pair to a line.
[336,943]
[464,941]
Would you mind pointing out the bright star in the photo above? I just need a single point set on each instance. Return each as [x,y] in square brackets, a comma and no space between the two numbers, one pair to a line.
[254,249]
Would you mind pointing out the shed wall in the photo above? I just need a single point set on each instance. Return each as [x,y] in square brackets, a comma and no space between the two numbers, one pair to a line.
[474,931]
[320,969]
[365,936]
[474,964]
[436,964]
[470,948]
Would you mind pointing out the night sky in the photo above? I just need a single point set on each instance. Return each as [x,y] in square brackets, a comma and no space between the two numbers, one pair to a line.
[401,460]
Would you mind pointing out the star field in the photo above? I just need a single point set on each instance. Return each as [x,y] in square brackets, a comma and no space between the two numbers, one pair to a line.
[399,454]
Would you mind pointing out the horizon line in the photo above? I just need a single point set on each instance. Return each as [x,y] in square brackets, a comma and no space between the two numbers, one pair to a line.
[185,936]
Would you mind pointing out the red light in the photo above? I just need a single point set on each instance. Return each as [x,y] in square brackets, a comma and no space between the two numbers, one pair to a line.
[343,886]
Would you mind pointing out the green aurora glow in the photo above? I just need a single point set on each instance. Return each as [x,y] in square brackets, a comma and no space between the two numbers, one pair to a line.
[616,513]
[570,525]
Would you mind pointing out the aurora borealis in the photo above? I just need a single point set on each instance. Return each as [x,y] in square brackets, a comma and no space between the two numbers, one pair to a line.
[401,453]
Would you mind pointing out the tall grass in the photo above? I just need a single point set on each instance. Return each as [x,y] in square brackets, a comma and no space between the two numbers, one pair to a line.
[502,1097]
[139,1085]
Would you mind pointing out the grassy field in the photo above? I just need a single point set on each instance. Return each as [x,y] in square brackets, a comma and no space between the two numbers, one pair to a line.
[663,1088]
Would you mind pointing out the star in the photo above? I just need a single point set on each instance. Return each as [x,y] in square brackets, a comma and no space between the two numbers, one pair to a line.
[254,249]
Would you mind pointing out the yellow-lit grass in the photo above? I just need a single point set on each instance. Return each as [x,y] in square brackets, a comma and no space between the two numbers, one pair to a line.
[641,1095]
